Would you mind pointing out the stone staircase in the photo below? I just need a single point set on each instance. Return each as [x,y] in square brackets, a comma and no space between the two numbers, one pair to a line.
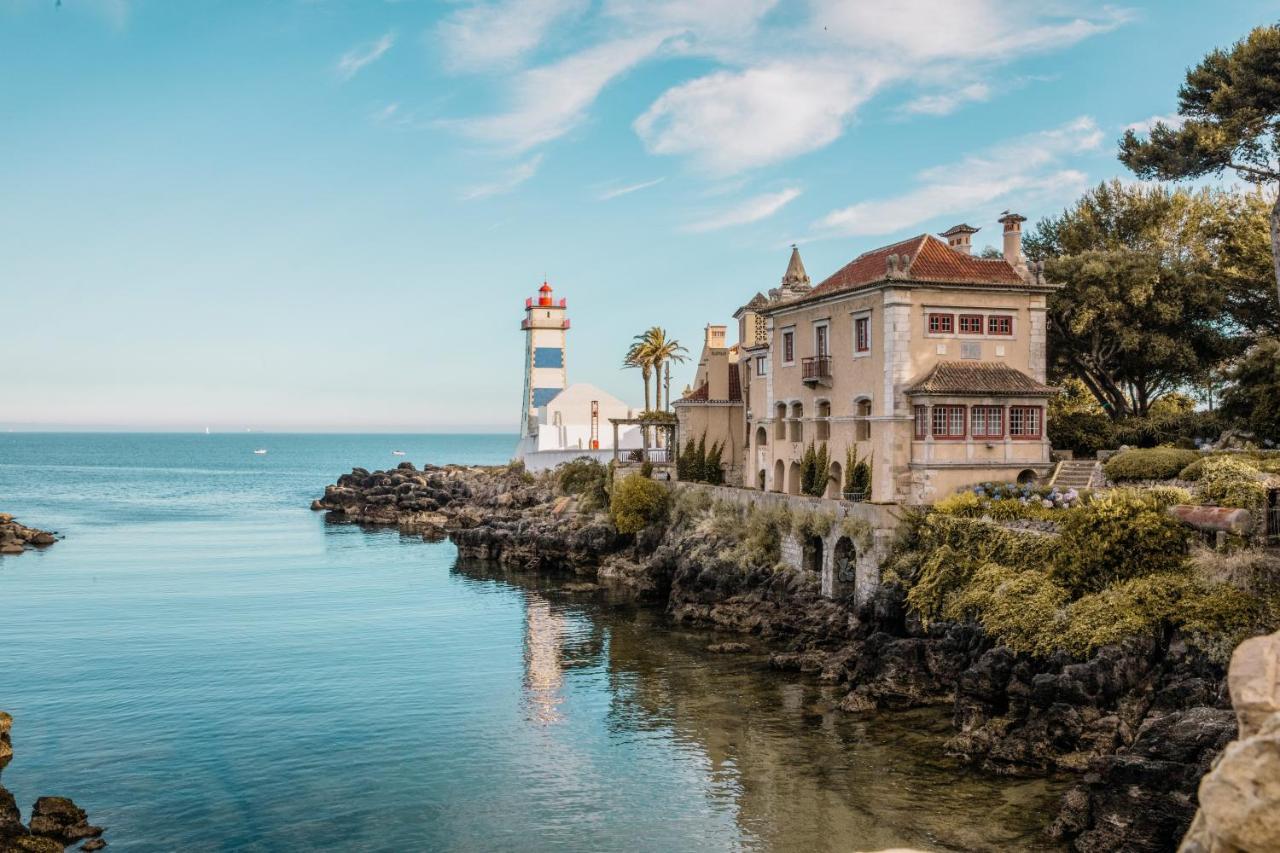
[1077,474]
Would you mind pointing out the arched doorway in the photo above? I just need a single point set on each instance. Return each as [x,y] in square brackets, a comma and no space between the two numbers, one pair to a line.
[793,479]
[760,478]
[835,484]
[844,571]
[1027,476]
[812,555]
[780,476]
[780,421]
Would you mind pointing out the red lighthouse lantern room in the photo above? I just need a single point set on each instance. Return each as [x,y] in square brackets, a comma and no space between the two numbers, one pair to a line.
[544,294]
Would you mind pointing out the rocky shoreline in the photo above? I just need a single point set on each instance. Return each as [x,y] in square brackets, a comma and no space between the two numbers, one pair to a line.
[1139,724]
[16,538]
[56,822]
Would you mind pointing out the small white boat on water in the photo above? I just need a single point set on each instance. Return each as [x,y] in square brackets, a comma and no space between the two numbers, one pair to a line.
[397,453]
[260,452]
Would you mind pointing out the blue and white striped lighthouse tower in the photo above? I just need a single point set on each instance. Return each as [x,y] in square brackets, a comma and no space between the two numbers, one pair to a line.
[545,327]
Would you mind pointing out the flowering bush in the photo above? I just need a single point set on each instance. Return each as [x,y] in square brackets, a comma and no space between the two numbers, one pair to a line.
[1008,501]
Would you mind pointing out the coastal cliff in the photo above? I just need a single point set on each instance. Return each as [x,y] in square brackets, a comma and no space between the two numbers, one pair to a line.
[56,822]
[1138,723]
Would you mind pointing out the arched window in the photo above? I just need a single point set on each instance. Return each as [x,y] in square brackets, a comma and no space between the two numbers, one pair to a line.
[762,437]
[822,426]
[862,430]
[780,422]
[797,422]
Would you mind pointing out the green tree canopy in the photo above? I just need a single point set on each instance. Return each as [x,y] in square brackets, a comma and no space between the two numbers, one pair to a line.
[1142,311]
[1230,110]
[1254,397]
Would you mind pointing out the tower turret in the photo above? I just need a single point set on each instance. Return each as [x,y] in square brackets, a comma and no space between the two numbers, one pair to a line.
[545,326]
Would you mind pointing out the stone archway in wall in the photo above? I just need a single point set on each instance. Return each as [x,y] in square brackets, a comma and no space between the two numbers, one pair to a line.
[780,476]
[812,554]
[793,479]
[760,480]
[844,569]
[835,481]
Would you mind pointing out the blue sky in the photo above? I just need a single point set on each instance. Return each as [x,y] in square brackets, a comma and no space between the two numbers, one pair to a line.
[328,214]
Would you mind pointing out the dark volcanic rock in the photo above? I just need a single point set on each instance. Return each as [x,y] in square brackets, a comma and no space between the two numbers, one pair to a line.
[55,821]
[61,819]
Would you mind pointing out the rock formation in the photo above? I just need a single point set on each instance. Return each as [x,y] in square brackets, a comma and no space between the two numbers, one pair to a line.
[1240,796]
[1139,723]
[56,822]
[16,538]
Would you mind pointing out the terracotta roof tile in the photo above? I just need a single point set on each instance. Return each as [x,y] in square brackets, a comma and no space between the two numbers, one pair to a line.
[978,377]
[702,393]
[928,259]
[735,384]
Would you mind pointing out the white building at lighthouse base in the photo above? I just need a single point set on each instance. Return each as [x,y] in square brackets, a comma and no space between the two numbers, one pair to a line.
[566,428]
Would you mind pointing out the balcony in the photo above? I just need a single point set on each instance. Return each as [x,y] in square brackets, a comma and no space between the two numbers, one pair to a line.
[816,370]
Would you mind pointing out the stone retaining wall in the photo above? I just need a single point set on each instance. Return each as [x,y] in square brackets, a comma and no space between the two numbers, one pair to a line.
[848,558]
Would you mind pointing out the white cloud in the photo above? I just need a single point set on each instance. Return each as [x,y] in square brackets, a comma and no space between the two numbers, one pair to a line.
[1174,121]
[552,99]
[1025,168]
[627,190]
[751,210]
[955,29]
[498,34]
[354,60]
[514,177]
[729,121]
[945,103]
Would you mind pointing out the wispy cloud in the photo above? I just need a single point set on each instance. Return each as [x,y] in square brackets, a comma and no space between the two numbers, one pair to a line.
[488,36]
[945,103]
[1029,167]
[627,190]
[513,178]
[551,100]
[356,59]
[1173,120]
[751,210]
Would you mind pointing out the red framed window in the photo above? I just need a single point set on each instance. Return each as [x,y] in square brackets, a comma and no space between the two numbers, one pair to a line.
[942,324]
[788,347]
[922,422]
[999,324]
[970,324]
[987,422]
[1025,421]
[862,334]
[948,421]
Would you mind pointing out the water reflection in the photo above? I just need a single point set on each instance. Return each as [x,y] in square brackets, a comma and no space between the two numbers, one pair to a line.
[766,748]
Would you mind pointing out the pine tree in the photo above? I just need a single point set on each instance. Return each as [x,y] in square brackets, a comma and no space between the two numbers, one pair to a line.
[822,471]
[712,471]
[808,469]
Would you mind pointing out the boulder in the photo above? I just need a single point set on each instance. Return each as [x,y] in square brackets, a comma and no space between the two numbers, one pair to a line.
[1254,681]
[61,819]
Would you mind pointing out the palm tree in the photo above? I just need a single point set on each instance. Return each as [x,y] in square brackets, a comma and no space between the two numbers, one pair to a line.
[662,351]
[638,357]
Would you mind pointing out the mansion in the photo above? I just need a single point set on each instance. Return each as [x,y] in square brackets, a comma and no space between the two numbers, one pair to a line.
[925,360]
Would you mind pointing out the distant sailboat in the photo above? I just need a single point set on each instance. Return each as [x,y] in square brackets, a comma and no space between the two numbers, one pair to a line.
[397,453]
[206,430]
[260,452]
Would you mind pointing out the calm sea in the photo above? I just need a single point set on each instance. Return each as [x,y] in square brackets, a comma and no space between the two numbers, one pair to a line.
[205,664]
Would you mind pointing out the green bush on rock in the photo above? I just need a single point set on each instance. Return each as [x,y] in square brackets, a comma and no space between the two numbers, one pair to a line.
[1157,463]
[586,478]
[637,502]
[1121,535]
[1232,482]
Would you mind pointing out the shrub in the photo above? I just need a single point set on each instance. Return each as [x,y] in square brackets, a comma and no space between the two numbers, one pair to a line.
[711,471]
[1232,482]
[1118,536]
[637,503]
[1015,608]
[813,522]
[689,506]
[586,478]
[1180,428]
[1167,496]
[1158,463]
[1083,433]
[808,470]
[762,545]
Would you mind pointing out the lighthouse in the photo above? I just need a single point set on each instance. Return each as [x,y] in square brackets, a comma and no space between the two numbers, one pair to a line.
[545,328]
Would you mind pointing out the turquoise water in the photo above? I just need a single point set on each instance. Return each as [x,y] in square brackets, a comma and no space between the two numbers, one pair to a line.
[205,664]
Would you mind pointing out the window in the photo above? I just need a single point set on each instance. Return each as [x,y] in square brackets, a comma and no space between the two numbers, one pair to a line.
[862,334]
[759,365]
[922,422]
[999,324]
[780,421]
[948,421]
[1024,421]
[970,324]
[822,427]
[797,422]
[941,324]
[788,347]
[820,340]
[987,422]
[971,350]
[862,428]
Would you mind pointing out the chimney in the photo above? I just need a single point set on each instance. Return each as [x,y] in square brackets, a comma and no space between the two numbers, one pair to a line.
[1012,223]
[960,237]
[715,336]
